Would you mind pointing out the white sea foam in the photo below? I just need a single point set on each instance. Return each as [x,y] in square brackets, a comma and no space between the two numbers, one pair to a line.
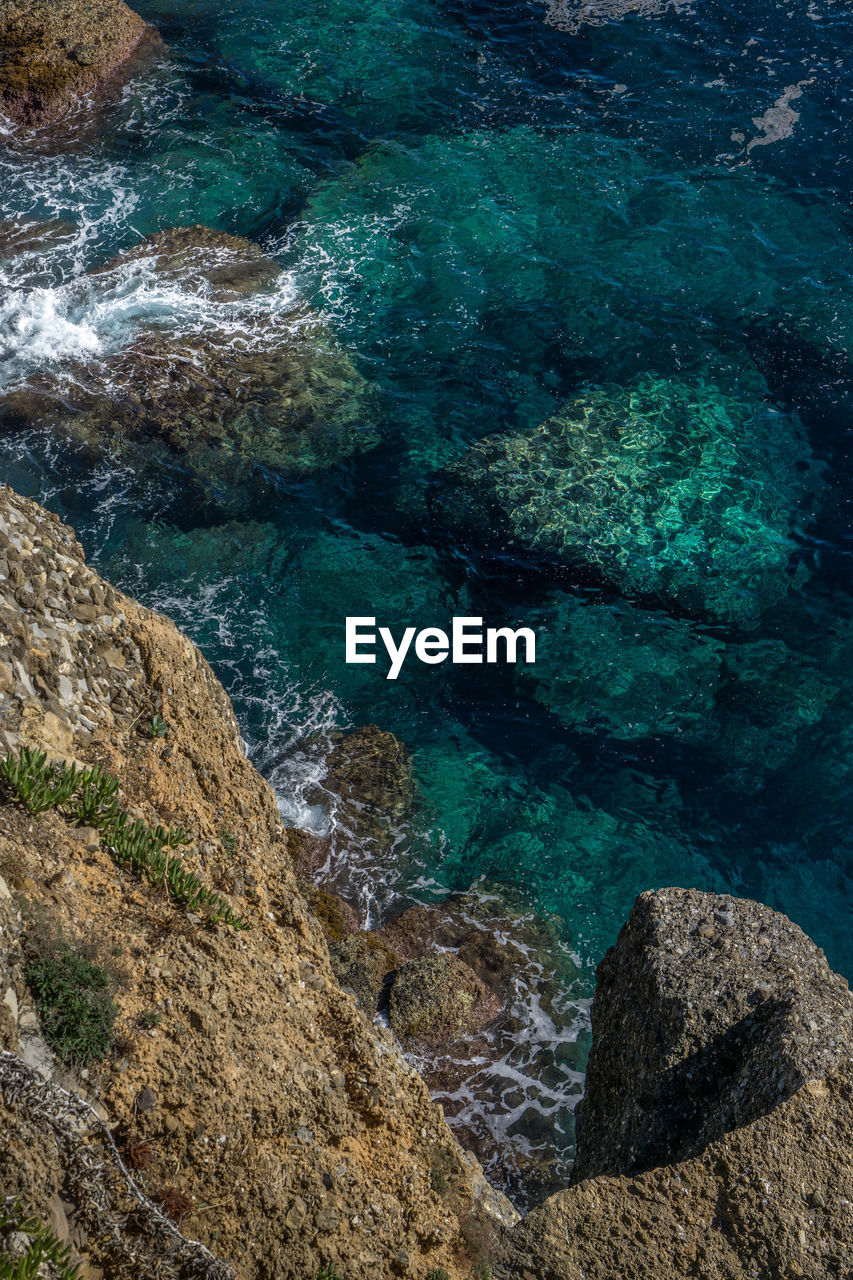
[35,327]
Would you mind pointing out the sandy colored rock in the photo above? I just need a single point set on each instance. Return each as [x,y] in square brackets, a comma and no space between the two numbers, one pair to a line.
[715,1135]
[708,1012]
[771,1199]
[293,1129]
[55,52]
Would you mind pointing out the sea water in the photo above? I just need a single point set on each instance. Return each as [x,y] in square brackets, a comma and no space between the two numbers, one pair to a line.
[500,209]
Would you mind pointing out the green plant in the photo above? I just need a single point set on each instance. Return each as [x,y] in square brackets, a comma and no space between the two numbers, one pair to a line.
[43,1247]
[230,843]
[94,802]
[150,1018]
[329,1272]
[157,728]
[143,849]
[73,997]
[90,797]
[438,1273]
[34,783]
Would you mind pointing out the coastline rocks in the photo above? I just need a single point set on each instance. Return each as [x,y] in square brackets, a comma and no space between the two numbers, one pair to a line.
[631,672]
[228,267]
[360,963]
[55,52]
[669,490]
[248,383]
[371,769]
[771,1199]
[72,666]
[439,998]
[275,1097]
[716,1128]
[709,1011]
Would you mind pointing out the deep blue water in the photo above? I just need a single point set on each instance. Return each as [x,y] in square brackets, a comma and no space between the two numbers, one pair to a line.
[499,213]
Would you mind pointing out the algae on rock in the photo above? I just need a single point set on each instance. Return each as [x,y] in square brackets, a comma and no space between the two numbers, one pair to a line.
[668,490]
[250,381]
[55,52]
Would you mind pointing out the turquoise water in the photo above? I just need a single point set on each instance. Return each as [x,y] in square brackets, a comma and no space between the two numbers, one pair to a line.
[505,220]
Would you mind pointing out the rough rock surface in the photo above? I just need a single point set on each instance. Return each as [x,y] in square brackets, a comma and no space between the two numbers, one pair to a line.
[439,998]
[54,52]
[254,1086]
[770,1200]
[708,1012]
[715,1137]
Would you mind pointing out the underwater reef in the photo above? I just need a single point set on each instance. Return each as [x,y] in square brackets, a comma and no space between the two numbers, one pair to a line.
[669,490]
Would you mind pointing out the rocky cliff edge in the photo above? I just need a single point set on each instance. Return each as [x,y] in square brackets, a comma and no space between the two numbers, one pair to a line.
[243,1094]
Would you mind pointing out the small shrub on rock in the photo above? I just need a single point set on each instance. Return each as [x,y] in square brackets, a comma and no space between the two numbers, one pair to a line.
[73,996]
[35,784]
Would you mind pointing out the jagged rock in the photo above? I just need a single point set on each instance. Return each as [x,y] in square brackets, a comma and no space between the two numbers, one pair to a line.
[337,918]
[55,52]
[708,1012]
[439,998]
[771,1199]
[671,490]
[715,1135]
[19,236]
[297,405]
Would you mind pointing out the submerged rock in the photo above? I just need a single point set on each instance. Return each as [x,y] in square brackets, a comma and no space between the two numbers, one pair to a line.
[630,672]
[201,258]
[716,1127]
[670,490]
[576,227]
[769,696]
[55,52]
[372,769]
[439,998]
[234,390]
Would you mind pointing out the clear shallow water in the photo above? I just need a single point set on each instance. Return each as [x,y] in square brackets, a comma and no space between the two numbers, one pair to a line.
[495,213]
